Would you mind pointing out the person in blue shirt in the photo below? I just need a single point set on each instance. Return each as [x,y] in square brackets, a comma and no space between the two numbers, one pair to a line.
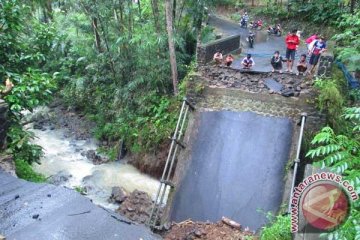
[316,51]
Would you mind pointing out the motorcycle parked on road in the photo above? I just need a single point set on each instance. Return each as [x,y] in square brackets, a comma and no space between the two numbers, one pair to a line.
[275,30]
[243,22]
[256,24]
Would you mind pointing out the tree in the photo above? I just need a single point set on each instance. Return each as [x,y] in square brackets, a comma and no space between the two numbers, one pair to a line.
[169,28]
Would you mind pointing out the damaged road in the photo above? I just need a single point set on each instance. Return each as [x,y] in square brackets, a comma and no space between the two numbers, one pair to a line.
[46,212]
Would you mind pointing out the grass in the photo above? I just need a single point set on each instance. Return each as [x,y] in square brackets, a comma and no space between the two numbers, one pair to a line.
[25,171]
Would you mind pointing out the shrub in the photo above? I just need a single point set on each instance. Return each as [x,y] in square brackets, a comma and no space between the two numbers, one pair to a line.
[25,171]
[278,228]
[330,100]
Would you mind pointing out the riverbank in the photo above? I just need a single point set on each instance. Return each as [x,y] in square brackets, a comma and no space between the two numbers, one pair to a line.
[78,126]
[71,160]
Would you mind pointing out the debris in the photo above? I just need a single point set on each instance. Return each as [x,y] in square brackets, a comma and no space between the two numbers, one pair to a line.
[231,223]
[75,214]
[226,229]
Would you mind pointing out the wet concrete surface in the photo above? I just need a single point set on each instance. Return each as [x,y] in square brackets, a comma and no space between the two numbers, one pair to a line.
[264,46]
[47,212]
[236,167]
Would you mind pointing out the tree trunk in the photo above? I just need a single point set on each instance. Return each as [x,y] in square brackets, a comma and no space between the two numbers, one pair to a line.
[352,6]
[156,13]
[139,7]
[49,9]
[198,25]
[97,35]
[169,27]
[174,11]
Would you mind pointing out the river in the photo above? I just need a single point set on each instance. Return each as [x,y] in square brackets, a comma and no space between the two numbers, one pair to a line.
[64,154]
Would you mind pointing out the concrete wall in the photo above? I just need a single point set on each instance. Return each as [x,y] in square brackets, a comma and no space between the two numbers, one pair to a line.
[325,63]
[4,124]
[226,45]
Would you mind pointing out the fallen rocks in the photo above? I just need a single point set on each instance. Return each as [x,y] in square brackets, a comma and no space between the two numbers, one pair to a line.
[60,178]
[137,207]
[118,195]
[221,77]
[206,230]
[94,157]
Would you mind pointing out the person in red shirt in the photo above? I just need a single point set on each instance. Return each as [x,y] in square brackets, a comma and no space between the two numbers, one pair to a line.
[291,40]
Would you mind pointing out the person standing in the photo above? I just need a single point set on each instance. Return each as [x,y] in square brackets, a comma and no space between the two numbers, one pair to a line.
[316,51]
[291,40]
[310,39]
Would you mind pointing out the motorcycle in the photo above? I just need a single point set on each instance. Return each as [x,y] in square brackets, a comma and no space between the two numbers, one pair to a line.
[256,24]
[251,39]
[243,23]
[275,31]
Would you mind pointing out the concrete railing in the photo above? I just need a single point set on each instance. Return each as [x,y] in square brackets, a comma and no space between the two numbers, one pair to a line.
[225,45]
[4,124]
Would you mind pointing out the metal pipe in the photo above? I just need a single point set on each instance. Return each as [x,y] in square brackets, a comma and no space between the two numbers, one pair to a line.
[167,160]
[297,159]
[162,195]
[176,147]
[174,137]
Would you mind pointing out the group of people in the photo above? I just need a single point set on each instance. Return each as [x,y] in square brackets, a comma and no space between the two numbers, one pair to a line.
[218,58]
[316,45]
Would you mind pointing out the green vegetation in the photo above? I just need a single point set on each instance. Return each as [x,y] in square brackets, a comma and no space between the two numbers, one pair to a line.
[278,228]
[24,47]
[341,153]
[81,190]
[108,59]
[25,171]
[348,40]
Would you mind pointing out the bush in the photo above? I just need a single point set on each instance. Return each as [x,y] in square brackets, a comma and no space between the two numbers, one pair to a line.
[25,171]
[330,100]
[279,228]
[341,154]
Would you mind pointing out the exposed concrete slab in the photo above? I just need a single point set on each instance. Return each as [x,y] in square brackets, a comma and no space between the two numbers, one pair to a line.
[46,212]
[236,167]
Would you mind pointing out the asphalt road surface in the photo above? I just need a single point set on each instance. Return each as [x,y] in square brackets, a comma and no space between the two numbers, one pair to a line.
[264,46]
[30,211]
[236,167]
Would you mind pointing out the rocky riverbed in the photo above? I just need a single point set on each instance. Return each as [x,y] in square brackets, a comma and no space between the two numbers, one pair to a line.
[71,160]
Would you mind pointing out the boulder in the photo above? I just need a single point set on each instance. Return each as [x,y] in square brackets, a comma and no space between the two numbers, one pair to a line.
[118,195]
[95,158]
[60,178]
